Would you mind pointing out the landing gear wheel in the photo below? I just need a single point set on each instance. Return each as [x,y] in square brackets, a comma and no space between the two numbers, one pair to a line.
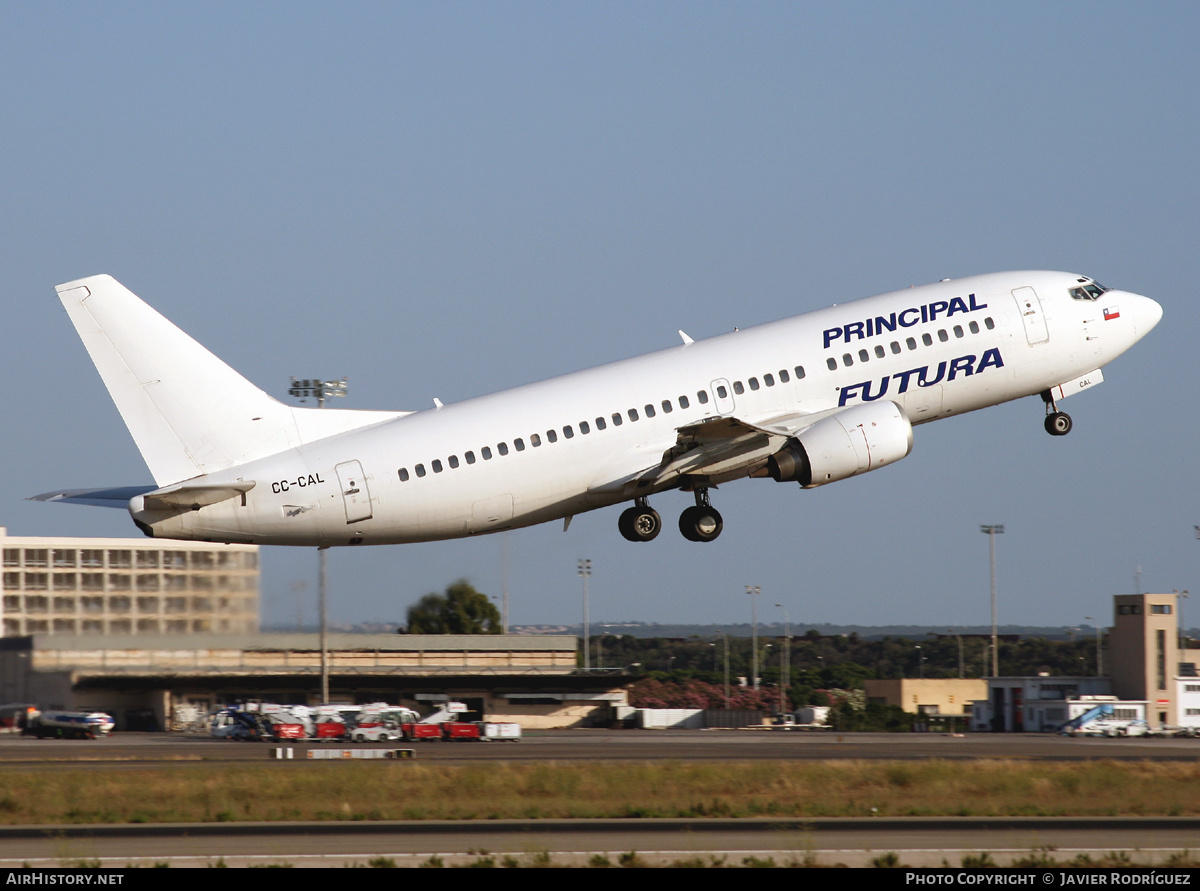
[641,523]
[700,523]
[1058,423]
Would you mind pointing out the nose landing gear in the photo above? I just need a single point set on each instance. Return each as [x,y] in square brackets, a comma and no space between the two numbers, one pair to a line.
[1057,423]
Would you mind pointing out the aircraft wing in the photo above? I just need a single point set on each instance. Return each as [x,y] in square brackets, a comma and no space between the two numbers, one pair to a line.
[732,446]
[720,449]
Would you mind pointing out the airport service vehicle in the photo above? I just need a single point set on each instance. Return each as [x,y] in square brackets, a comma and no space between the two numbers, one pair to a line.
[15,716]
[500,731]
[809,400]
[70,725]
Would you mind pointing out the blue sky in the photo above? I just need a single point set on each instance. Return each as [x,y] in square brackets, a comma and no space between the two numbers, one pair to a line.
[441,200]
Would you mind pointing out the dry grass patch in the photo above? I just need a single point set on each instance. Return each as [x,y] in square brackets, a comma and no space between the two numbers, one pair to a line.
[408,791]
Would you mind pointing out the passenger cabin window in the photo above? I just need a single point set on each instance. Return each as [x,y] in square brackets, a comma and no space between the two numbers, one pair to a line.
[722,393]
[911,343]
[878,351]
[617,419]
[895,347]
[453,462]
[863,356]
[420,470]
[551,436]
[584,428]
[649,410]
[486,451]
[769,380]
[958,331]
[927,339]
[847,359]
[535,440]
[974,327]
[633,414]
[568,431]
[470,456]
[437,465]
[799,372]
[519,444]
[683,402]
[988,323]
[600,425]
[404,474]
[502,448]
[942,335]
[738,388]
[753,382]
[702,397]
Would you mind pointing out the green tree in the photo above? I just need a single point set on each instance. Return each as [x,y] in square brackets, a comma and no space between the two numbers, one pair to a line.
[461,610]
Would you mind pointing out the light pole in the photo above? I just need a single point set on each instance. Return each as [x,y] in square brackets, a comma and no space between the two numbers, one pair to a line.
[1183,595]
[961,667]
[991,532]
[785,661]
[1099,652]
[585,572]
[725,638]
[754,591]
[319,389]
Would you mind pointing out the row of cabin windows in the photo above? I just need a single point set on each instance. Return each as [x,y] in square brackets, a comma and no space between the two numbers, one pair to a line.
[927,339]
[585,427]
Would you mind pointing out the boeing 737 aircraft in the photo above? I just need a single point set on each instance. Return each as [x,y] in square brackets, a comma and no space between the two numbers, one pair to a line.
[810,400]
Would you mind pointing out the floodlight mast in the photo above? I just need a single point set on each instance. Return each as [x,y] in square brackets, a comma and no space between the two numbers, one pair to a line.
[319,389]
[991,532]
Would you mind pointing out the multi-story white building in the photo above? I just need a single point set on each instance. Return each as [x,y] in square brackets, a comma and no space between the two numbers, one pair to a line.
[84,586]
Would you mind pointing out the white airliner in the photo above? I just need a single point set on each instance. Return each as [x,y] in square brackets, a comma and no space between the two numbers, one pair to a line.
[811,400]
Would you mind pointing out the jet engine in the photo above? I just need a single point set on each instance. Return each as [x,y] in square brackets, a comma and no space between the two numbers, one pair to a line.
[853,441]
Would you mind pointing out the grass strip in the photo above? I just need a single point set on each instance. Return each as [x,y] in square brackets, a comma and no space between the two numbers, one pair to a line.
[415,791]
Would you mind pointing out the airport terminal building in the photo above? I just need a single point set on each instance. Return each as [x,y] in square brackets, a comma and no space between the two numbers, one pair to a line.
[158,633]
[126,586]
[1148,677]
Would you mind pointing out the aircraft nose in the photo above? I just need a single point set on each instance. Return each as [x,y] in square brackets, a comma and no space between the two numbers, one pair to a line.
[1146,314]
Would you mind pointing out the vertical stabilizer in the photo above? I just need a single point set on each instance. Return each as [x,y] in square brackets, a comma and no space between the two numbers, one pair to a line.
[188,412]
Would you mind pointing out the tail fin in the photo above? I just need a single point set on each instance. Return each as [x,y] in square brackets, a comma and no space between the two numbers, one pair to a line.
[188,412]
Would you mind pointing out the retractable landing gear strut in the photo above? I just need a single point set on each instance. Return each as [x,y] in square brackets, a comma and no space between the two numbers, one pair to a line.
[640,522]
[702,522]
[1058,423]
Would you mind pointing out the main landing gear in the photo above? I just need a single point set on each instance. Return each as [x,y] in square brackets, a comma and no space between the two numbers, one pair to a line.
[699,523]
[640,522]
[1058,423]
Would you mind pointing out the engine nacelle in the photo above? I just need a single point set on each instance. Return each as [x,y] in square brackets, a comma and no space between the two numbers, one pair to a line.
[853,441]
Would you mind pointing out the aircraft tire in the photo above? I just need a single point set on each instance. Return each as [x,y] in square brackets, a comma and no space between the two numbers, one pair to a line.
[640,524]
[1058,423]
[700,523]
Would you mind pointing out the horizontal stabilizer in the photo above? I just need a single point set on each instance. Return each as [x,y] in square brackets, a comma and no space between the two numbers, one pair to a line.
[116,497]
[185,497]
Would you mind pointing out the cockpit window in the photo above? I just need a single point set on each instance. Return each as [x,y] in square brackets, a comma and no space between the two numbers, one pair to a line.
[1088,291]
